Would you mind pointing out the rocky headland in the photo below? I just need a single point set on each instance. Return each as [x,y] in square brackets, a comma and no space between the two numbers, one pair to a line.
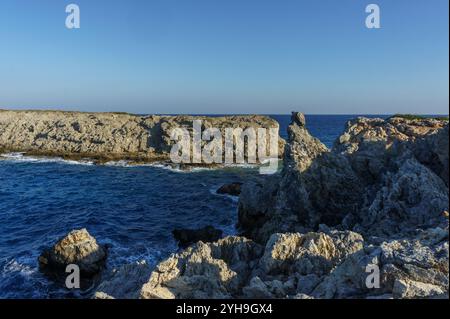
[104,137]
[366,219]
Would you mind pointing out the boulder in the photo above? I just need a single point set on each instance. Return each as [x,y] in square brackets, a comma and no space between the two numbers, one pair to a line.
[78,247]
[215,270]
[233,189]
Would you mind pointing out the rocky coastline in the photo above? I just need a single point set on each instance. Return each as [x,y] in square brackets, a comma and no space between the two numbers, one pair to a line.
[105,137]
[367,219]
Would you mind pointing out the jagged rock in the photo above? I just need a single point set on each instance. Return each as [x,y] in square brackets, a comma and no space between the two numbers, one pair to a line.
[298,118]
[78,247]
[233,189]
[302,148]
[411,197]
[256,289]
[186,237]
[307,283]
[362,131]
[276,204]
[311,253]
[214,270]
[415,289]
[124,282]
[347,280]
[382,178]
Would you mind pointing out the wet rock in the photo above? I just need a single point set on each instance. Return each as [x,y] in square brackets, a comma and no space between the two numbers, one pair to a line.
[186,237]
[233,189]
[78,247]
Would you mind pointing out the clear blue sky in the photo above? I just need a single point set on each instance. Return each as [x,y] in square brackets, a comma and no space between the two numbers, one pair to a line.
[226,56]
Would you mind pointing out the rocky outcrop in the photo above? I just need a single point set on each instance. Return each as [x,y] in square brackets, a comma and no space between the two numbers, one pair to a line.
[216,270]
[79,248]
[383,177]
[186,237]
[367,219]
[233,189]
[106,136]
[330,264]
[124,282]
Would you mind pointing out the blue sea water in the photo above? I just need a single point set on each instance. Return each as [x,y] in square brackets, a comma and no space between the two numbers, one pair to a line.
[133,209]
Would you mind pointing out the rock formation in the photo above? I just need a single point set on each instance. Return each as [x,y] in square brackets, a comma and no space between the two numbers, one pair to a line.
[381,177]
[367,219]
[106,136]
[124,282]
[233,189]
[78,247]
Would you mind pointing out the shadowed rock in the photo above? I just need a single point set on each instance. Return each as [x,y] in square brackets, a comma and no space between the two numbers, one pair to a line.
[186,237]
[383,177]
[233,189]
[78,247]
[124,282]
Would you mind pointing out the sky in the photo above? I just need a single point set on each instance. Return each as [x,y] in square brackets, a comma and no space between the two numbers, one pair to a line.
[226,56]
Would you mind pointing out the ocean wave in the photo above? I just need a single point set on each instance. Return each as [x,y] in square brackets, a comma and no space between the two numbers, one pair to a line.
[121,163]
[120,255]
[22,158]
[198,169]
[14,266]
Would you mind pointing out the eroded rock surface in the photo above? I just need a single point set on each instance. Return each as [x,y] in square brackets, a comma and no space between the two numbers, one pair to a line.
[106,136]
[382,178]
[124,282]
[216,270]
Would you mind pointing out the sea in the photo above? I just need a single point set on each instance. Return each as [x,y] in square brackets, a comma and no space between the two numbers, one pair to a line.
[133,209]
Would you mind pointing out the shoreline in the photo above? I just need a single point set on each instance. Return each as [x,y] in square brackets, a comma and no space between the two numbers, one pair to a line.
[104,137]
[331,210]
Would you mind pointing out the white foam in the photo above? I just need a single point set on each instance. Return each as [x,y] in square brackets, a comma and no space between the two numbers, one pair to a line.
[21,157]
[121,163]
[213,191]
[14,266]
